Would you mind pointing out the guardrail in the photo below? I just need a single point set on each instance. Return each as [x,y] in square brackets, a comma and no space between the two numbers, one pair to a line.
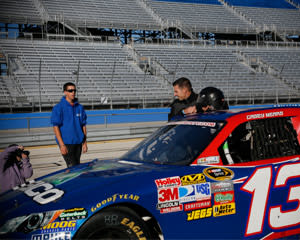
[93,119]
[94,135]
[37,130]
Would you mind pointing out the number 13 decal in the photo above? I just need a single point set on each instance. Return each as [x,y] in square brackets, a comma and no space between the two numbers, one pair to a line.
[258,185]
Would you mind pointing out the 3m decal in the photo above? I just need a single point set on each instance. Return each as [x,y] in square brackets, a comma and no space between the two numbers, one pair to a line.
[168,182]
[168,194]
[223,197]
[114,198]
[218,173]
[197,205]
[49,236]
[199,214]
[192,179]
[259,186]
[134,227]
[223,209]
[73,214]
[42,192]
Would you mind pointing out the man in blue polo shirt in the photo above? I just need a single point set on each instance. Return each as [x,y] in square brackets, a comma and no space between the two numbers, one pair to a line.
[69,124]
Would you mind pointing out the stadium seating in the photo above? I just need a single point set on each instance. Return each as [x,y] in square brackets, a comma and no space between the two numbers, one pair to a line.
[101,13]
[98,78]
[225,68]
[21,12]
[281,4]
[107,70]
[200,17]
[273,19]
[110,71]
[189,16]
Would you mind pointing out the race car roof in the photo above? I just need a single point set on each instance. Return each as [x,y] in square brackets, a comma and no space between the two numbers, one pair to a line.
[225,114]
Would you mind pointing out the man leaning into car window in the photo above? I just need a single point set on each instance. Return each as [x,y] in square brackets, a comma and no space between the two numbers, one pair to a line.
[185,97]
[15,167]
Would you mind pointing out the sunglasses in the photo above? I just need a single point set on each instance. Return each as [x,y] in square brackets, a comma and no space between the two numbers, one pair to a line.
[71,90]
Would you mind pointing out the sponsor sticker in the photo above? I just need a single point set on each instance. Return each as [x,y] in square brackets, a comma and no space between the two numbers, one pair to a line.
[52,236]
[222,186]
[197,205]
[114,198]
[218,173]
[168,195]
[172,209]
[223,209]
[201,124]
[73,214]
[192,179]
[199,214]
[63,226]
[265,115]
[168,182]
[223,197]
[196,192]
[208,160]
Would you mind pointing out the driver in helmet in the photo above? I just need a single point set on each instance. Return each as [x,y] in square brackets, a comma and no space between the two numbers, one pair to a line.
[209,99]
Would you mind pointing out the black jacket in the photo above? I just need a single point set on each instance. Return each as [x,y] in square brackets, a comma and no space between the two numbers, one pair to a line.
[177,106]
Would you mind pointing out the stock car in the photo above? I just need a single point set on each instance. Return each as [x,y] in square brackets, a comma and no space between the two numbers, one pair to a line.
[227,174]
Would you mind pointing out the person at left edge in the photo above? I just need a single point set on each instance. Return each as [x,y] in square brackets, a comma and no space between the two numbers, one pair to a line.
[69,124]
[15,167]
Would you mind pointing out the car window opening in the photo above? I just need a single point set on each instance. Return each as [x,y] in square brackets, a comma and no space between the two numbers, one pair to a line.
[259,140]
[175,144]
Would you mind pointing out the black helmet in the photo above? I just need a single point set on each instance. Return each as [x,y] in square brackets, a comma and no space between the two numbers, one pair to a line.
[213,97]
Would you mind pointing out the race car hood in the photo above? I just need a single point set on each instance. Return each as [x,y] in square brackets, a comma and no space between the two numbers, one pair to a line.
[96,178]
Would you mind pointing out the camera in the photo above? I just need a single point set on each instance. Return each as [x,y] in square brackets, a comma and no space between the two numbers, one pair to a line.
[19,152]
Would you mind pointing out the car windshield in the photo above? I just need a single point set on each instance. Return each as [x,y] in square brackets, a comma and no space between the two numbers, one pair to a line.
[177,143]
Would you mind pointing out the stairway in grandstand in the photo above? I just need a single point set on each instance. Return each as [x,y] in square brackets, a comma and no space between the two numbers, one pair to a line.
[111,72]
[104,72]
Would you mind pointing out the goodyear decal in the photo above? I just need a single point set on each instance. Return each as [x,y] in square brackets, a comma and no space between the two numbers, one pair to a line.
[192,179]
[218,173]
[199,214]
[224,209]
[114,198]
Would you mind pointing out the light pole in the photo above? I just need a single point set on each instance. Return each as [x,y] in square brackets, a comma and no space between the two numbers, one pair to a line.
[76,72]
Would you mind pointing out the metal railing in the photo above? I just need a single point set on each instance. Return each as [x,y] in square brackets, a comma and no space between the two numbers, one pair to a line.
[103,120]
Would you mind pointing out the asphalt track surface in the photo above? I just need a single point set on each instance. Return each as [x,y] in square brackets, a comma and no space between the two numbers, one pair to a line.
[48,159]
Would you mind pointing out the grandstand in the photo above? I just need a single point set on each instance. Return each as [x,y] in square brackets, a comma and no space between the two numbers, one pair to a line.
[128,53]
